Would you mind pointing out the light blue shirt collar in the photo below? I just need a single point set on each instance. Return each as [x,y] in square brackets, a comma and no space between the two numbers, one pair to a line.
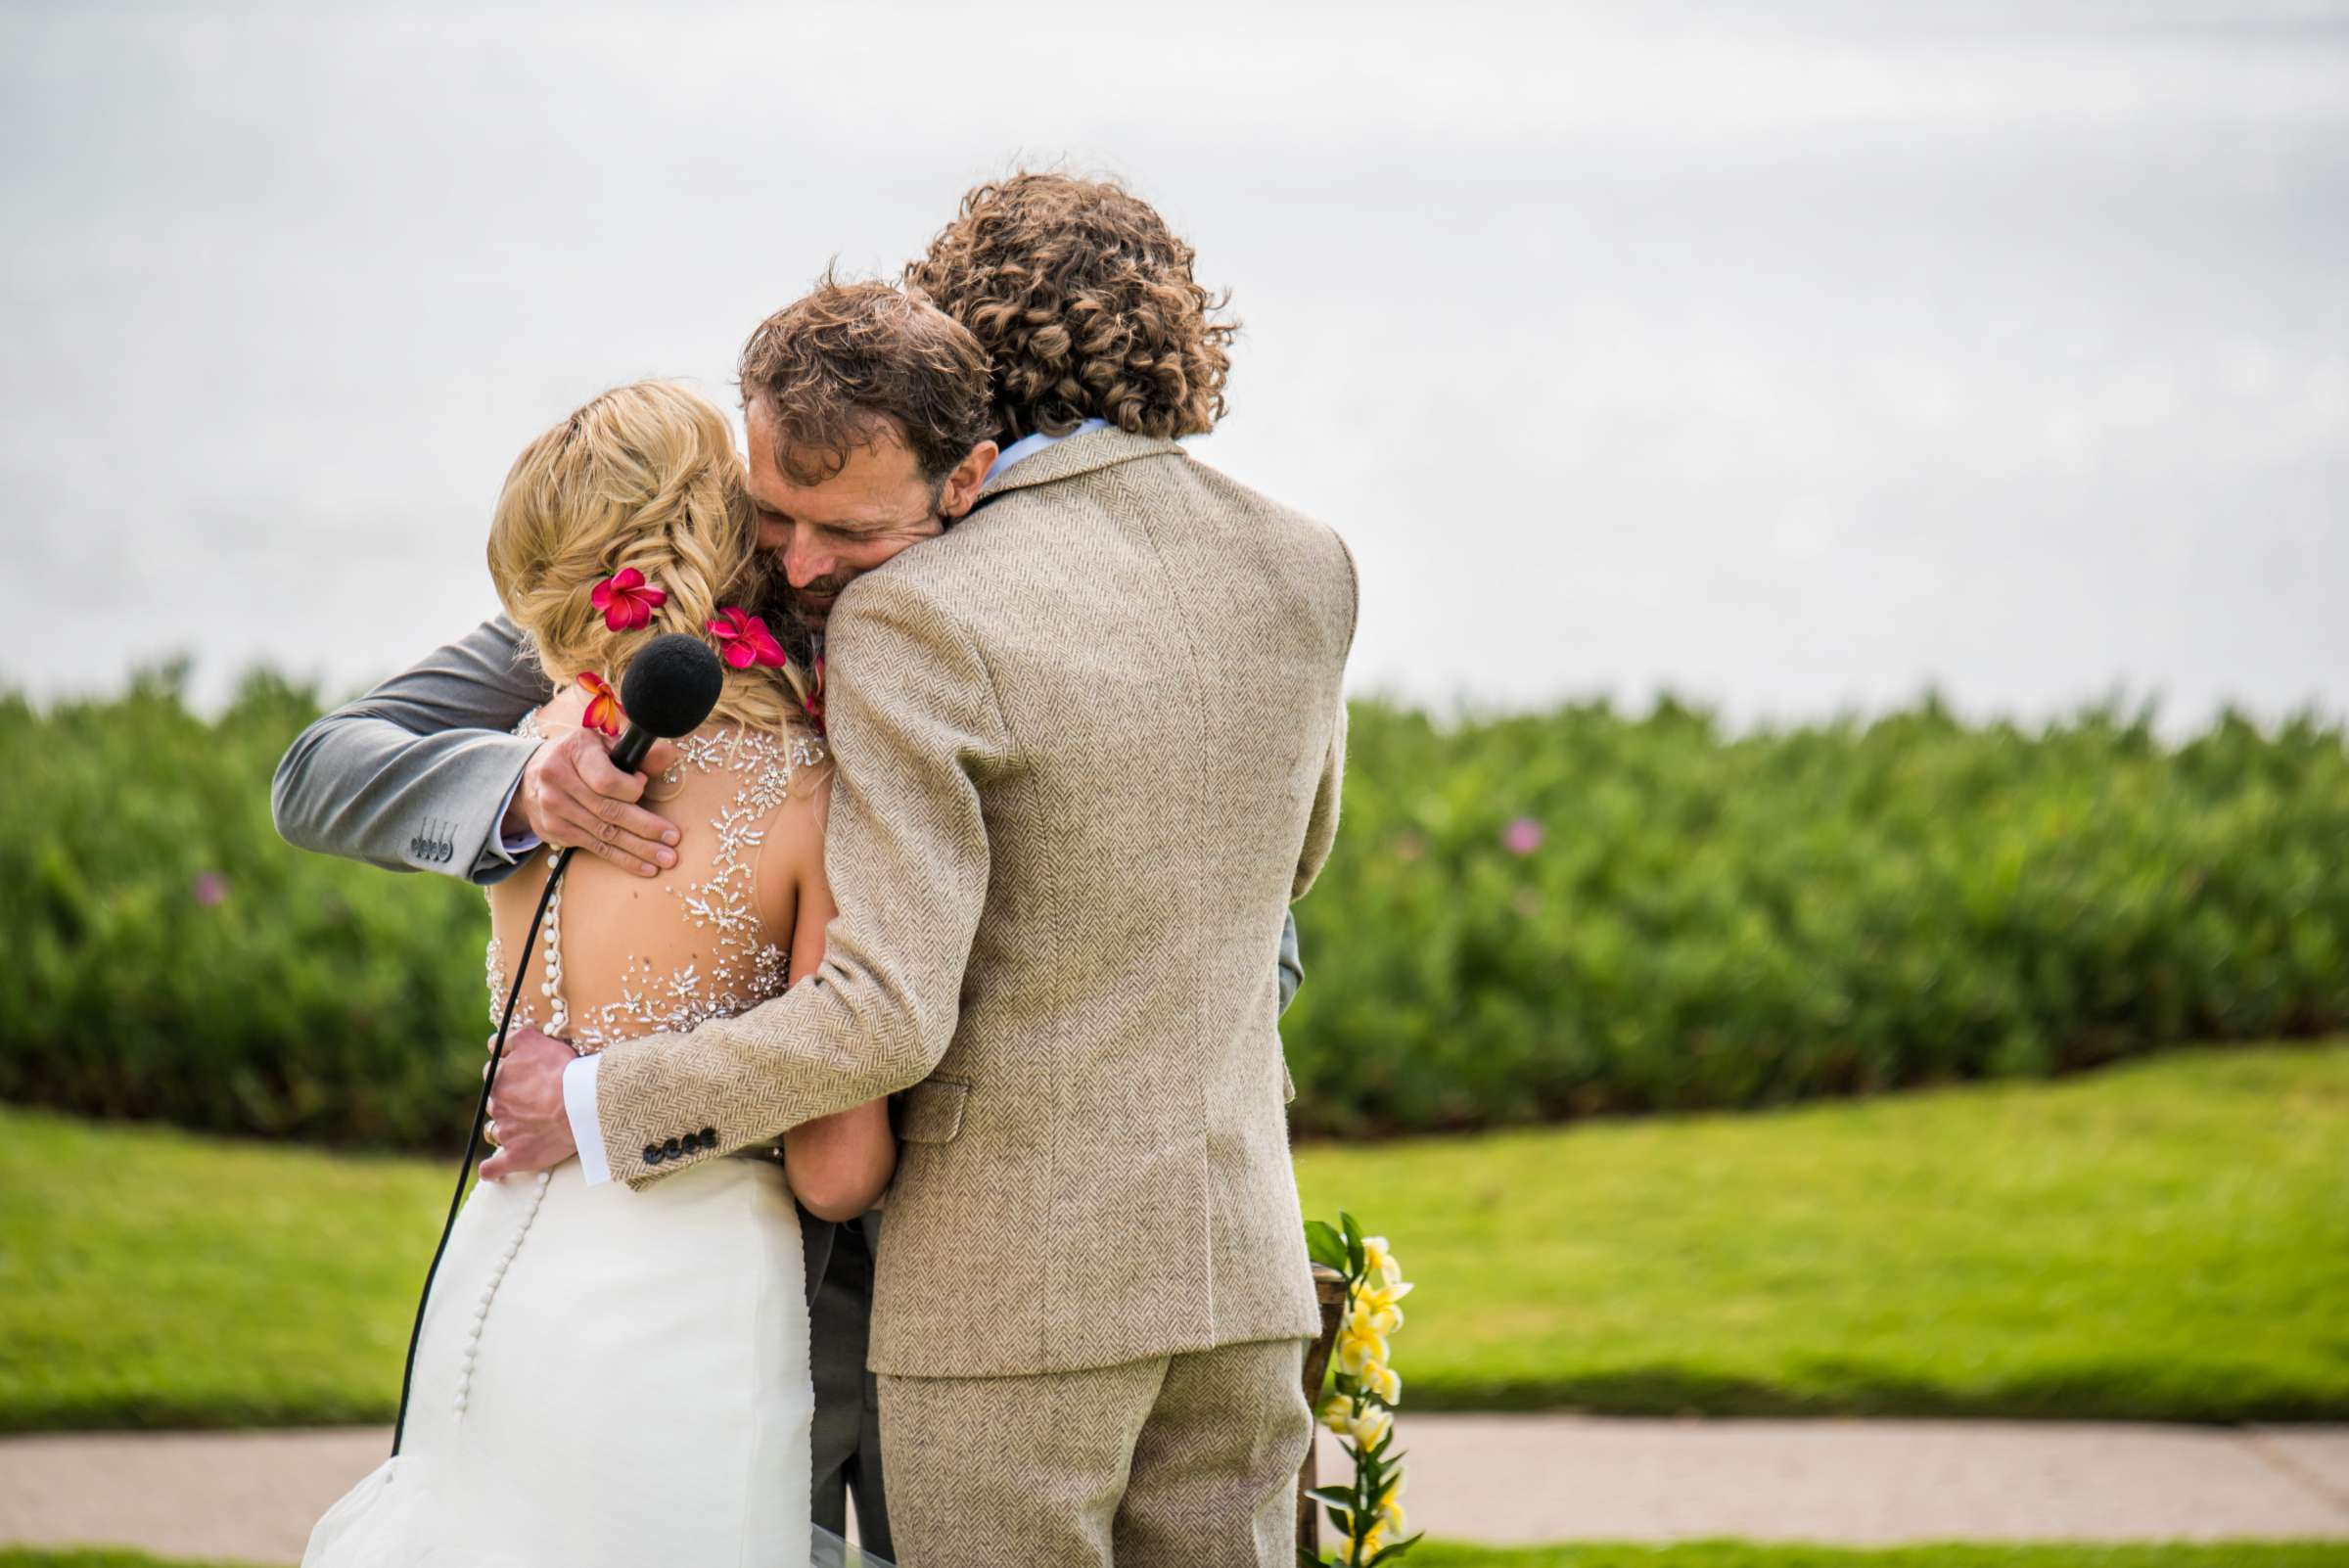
[1028,446]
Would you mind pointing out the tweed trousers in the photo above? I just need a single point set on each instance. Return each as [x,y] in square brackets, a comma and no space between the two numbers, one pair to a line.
[1179,1461]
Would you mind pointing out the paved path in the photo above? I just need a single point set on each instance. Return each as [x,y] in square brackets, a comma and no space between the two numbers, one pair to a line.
[251,1495]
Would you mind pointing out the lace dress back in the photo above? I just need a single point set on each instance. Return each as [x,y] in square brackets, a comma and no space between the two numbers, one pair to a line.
[622,956]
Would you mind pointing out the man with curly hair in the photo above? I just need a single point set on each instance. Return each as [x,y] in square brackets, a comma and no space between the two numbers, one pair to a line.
[1136,1400]
[1085,302]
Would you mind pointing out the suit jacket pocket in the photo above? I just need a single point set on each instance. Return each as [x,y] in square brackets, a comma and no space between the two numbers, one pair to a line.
[932,1112]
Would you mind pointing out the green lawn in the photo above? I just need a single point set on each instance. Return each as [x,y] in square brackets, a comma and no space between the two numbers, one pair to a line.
[2163,1240]
[156,1278]
[95,1557]
[1694,1554]
[2166,1239]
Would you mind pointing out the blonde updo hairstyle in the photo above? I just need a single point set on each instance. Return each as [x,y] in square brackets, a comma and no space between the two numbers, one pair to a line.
[644,476]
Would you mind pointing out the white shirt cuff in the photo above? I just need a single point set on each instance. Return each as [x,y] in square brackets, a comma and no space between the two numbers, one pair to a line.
[512,849]
[579,1106]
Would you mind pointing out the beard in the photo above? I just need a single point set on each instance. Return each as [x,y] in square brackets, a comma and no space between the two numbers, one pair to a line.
[800,633]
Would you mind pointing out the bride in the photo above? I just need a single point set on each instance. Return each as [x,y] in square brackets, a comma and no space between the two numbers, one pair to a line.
[608,1375]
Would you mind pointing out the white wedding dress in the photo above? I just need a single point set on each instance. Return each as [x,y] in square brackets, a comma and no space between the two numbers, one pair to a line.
[608,1375]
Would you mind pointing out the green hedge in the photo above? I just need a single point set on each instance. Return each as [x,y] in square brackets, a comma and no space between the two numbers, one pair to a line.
[1837,909]
[1705,920]
[176,959]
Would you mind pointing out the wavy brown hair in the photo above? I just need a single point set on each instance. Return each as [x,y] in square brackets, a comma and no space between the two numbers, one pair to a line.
[851,360]
[1085,302]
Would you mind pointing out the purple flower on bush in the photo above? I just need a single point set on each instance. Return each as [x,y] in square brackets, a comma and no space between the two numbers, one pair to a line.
[1522,837]
[211,889]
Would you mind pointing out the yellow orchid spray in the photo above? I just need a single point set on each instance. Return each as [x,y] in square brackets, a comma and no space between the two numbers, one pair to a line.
[1367,1513]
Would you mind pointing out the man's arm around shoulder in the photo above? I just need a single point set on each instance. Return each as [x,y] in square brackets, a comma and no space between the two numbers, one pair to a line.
[417,774]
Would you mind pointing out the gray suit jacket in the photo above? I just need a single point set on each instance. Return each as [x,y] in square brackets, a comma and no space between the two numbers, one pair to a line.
[414,776]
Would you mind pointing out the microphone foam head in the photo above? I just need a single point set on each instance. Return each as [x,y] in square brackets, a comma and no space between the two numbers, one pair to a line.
[671,687]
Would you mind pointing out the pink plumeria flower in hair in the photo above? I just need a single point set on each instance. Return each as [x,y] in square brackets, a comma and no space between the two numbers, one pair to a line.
[744,640]
[627,603]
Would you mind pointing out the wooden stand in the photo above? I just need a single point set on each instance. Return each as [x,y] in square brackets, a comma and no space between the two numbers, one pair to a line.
[1329,1289]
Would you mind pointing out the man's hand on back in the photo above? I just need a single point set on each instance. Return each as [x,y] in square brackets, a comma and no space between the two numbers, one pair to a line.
[570,794]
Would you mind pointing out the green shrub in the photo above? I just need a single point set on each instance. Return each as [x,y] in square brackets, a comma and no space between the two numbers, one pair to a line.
[1837,909]
[1706,920]
[176,959]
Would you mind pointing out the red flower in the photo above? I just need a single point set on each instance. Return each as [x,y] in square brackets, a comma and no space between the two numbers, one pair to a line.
[627,603]
[745,640]
[602,704]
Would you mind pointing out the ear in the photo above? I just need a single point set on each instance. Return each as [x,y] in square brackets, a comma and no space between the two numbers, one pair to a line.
[963,486]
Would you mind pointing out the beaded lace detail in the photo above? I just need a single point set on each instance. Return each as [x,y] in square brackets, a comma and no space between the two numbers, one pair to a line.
[748,967]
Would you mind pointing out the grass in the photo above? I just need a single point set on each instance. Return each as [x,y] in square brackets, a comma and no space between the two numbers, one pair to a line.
[1692,1554]
[158,1278]
[2165,1240]
[95,1557]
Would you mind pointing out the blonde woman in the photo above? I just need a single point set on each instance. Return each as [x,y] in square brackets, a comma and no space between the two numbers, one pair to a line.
[609,1374]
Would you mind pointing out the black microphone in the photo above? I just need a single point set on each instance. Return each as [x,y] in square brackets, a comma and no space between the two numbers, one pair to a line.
[669,690]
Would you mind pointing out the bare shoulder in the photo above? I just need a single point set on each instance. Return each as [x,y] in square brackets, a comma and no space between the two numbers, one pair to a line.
[808,808]
[560,714]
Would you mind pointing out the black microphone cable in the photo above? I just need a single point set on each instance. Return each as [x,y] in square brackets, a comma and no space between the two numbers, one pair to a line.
[669,688]
[473,1139]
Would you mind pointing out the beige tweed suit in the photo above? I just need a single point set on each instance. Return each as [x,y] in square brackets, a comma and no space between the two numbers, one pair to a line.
[1089,745]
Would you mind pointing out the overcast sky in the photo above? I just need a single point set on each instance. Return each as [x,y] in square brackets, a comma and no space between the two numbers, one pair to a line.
[1791,356]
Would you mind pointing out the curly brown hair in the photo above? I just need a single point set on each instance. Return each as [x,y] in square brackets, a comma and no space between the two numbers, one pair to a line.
[1085,303]
[850,361]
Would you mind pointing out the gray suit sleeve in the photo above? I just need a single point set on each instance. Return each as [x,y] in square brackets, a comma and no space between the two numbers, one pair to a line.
[414,776]
[1292,967]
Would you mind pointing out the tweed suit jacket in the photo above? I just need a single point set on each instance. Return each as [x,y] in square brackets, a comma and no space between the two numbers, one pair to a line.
[1089,746]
